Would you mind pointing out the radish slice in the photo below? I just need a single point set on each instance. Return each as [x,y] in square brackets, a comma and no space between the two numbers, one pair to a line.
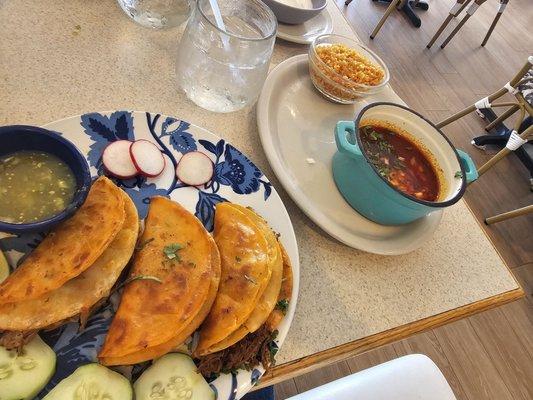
[117,160]
[147,158]
[194,168]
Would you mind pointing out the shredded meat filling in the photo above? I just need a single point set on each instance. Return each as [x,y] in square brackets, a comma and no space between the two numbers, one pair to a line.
[15,339]
[252,350]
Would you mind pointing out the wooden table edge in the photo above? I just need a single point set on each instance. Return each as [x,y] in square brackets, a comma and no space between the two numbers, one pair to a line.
[318,360]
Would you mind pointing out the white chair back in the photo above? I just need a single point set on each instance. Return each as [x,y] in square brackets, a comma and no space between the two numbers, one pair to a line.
[412,377]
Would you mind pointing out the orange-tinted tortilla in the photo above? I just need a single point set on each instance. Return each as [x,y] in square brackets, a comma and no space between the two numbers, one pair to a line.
[285,292]
[269,298]
[70,248]
[81,293]
[159,350]
[245,275]
[150,313]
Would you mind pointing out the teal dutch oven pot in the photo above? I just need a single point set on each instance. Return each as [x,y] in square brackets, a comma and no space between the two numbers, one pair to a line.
[371,194]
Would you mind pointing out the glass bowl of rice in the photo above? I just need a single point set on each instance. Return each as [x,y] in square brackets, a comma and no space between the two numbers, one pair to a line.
[345,71]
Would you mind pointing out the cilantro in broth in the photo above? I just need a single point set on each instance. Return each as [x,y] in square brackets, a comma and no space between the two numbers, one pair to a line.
[383,171]
[396,158]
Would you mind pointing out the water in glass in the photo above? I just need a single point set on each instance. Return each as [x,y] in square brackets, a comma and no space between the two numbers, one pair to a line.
[158,13]
[224,70]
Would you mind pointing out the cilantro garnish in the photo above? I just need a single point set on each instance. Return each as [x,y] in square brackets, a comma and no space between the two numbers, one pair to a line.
[273,346]
[171,251]
[283,306]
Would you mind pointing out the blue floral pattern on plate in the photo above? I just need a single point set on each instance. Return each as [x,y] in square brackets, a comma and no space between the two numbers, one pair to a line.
[234,176]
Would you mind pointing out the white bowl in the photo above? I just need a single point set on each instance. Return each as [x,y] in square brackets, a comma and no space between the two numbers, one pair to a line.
[295,15]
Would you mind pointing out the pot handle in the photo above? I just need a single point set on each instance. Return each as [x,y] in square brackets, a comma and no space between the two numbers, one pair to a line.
[341,129]
[468,165]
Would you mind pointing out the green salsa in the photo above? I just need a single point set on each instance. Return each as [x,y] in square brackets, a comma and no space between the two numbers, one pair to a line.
[34,186]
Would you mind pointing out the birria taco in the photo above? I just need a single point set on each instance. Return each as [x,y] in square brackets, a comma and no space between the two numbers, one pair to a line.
[172,284]
[240,233]
[78,296]
[71,248]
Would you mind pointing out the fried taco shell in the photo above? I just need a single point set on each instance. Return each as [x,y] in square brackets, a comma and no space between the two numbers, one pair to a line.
[268,300]
[70,248]
[157,351]
[80,294]
[255,347]
[176,250]
[285,293]
[246,272]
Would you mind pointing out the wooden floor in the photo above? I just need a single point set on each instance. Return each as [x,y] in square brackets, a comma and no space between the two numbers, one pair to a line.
[489,355]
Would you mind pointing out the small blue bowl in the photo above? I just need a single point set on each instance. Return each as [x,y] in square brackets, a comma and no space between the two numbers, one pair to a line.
[371,194]
[22,137]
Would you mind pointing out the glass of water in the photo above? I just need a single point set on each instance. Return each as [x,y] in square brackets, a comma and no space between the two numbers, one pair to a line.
[158,14]
[222,67]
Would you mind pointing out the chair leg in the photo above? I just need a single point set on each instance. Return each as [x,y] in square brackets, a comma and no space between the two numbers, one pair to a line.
[471,10]
[454,12]
[502,153]
[503,4]
[463,6]
[394,4]
[509,214]
[496,95]
[455,30]
[440,30]
[506,114]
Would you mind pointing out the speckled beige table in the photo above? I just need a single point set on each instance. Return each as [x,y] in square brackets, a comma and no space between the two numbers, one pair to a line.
[60,58]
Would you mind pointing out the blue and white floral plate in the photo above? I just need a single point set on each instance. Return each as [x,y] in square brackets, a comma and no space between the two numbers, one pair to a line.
[236,179]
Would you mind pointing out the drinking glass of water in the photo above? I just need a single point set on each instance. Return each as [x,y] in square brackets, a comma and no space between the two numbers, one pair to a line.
[158,14]
[222,66]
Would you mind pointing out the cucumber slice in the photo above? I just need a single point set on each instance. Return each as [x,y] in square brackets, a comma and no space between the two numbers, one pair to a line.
[172,377]
[4,267]
[23,375]
[92,382]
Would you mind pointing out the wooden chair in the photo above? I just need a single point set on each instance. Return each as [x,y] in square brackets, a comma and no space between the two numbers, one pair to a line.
[501,8]
[406,6]
[509,214]
[515,140]
[459,6]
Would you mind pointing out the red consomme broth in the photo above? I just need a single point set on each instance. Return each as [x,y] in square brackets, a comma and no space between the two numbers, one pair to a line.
[400,161]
